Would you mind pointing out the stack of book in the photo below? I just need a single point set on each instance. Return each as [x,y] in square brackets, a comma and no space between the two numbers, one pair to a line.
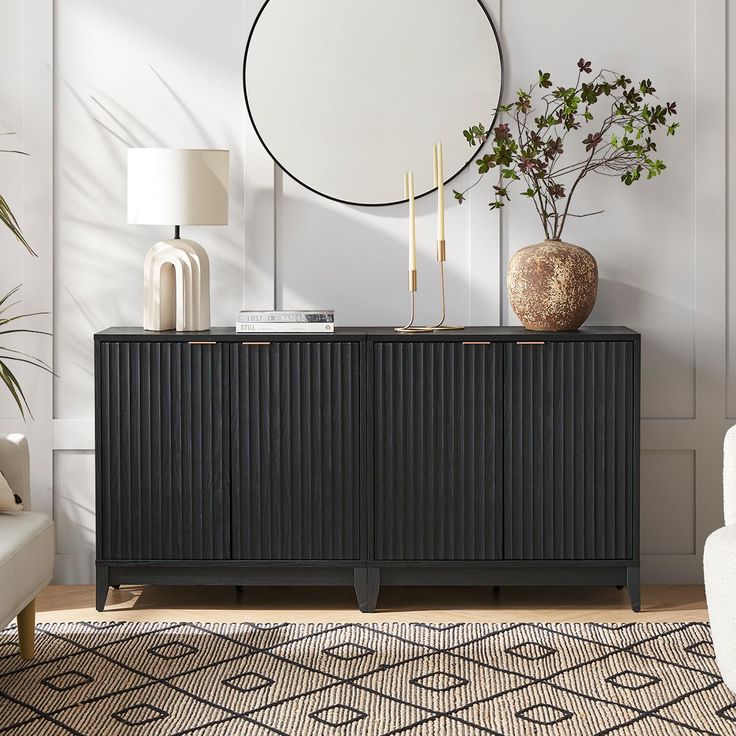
[292,320]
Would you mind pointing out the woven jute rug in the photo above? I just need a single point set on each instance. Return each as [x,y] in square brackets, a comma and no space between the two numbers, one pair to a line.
[413,679]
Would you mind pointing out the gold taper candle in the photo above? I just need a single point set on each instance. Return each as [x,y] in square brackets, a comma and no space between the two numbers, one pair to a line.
[440,193]
[409,194]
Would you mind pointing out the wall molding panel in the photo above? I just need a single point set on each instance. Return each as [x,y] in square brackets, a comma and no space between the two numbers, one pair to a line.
[261,176]
[72,435]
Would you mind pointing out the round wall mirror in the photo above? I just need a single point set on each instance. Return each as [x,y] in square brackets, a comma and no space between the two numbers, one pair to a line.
[346,94]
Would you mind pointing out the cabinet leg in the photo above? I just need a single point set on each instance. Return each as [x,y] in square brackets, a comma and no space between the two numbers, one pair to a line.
[367,583]
[632,583]
[103,583]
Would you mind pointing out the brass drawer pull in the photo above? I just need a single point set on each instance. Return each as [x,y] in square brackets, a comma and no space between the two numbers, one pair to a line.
[255,343]
[203,342]
[476,342]
[530,342]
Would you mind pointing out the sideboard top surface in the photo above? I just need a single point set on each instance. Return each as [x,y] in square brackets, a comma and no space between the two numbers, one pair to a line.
[506,333]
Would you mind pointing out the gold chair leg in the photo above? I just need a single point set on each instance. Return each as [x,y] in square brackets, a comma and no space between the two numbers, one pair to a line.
[26,630]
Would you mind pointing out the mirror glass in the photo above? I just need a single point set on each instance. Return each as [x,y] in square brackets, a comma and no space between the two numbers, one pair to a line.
[347,94]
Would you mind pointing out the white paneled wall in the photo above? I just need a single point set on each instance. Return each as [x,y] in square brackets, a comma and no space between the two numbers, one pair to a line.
[645,240]
[169,73]
[26,111]
[14,259]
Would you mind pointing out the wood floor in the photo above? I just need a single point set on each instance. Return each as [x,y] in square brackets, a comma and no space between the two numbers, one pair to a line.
[429,605]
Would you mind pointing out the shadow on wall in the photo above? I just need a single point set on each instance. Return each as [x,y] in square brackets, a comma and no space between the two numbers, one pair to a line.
[98,278]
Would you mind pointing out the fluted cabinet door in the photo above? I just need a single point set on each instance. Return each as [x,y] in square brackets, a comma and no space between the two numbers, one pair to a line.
[569,422]
[437,455]
[163,460]
[296,450]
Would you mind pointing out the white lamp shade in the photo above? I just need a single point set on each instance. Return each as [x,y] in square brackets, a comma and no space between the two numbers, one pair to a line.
[177,186]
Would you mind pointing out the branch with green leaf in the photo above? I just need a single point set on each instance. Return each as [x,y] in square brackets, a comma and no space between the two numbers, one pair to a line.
[10,323]
[538,146]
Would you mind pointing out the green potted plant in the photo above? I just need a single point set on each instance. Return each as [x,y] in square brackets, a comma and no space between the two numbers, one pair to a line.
[10,322]
[550,140]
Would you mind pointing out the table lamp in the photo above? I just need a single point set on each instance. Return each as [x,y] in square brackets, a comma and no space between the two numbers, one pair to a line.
[177,186]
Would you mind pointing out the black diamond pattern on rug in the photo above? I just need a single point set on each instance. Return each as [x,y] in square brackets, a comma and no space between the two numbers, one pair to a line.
[248,682]
[173,650]
[67,680]
[348,651]
[365,680]
[701,649]
[544,714]
[338,715]
[632,680]
[531,651]
[139,715]
[439,682]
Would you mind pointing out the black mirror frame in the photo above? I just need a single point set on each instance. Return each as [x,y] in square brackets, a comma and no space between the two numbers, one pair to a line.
[472,157]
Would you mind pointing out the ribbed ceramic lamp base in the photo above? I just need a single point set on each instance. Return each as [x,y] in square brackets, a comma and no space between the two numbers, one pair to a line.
[176,287]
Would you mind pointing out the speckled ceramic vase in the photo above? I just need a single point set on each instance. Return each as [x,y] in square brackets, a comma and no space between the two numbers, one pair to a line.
[552,285]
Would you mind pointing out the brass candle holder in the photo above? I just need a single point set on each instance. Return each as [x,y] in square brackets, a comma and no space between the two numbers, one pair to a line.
[441,258]
[410,326]
[441,250]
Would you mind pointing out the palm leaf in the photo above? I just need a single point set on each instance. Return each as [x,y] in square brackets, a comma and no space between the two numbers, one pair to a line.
[23,329]
[40,363]
[4,307]
[7,377]
[6,320]
[9,294]
[35,362]
[7,355]
[8,219]
[9,306]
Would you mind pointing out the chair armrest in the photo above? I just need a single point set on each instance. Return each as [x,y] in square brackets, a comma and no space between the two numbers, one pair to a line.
[729,476]
[719,567]
[15,464]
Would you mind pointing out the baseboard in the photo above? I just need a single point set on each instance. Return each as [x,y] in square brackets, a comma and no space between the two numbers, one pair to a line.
[672,569]
[74,569]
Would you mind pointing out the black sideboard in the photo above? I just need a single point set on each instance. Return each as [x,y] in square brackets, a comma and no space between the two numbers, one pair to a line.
[487,456]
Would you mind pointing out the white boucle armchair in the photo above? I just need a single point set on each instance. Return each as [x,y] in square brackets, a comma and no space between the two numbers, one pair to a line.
[26,546]
[719,563]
